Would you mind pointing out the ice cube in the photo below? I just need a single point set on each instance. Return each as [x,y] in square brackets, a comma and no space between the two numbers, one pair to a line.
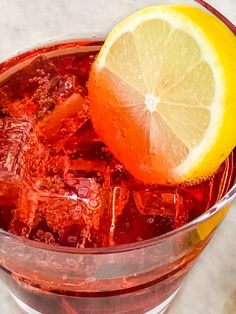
[193,200]
[155,201]
[41,165]
[82,66]
[64,64]
[115,189]
[132,226]
[70,213]
[63,121]
[69,196]
[53,205]
[30,90]
[35,90]
[164,201]
[76,70]
[13,136]
[38,72]
[75,65]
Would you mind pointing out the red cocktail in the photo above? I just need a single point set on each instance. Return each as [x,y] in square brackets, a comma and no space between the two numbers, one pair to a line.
[99,243]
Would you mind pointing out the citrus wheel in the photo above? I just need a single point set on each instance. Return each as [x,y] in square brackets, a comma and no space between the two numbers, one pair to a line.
[163,93]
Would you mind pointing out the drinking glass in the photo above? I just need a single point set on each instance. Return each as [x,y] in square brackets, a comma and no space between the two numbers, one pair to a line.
[135,278]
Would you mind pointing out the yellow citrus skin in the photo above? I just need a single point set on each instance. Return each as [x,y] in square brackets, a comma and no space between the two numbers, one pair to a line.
[169,156]
[223,42]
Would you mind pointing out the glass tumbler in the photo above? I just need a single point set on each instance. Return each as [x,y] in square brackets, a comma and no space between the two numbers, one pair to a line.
[135,278]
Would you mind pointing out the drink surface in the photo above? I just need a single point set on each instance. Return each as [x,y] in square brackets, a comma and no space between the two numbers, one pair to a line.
[59,182]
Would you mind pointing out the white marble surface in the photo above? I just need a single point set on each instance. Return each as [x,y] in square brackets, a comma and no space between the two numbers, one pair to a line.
[211,286]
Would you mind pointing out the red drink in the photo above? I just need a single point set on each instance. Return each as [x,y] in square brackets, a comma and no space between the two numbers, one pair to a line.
[66,187]
[103,242]
[60,185]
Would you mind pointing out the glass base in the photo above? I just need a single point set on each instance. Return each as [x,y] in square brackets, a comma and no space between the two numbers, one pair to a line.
[160,309]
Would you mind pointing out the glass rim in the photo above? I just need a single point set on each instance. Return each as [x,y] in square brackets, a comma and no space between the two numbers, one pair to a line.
[223,202]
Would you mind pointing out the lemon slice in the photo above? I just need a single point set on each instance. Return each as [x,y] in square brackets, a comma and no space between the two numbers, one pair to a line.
[163,93]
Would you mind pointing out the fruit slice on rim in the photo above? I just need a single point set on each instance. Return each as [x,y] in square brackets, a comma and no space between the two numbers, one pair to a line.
[162,93]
